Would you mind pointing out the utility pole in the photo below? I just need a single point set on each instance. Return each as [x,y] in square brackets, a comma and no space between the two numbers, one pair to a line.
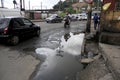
[89,2]
[41,5]
[2,3]
[22,5]
[29,4]
[89,18]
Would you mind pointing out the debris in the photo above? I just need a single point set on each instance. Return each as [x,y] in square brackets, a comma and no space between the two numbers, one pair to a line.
[90,54]
[90,58]
[107,77]
[87,60]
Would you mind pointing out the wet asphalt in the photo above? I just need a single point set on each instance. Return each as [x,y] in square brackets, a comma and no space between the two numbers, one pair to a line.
[61,66]
[56,64]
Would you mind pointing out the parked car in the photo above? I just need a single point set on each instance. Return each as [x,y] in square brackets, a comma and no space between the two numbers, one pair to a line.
[82,16]
[73,17]
[13,29]
[53,19]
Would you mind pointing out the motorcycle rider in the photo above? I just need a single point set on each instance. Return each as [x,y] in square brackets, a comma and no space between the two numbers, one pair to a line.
[67,21]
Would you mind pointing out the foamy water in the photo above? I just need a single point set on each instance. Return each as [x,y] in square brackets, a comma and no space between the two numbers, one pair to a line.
[71,45]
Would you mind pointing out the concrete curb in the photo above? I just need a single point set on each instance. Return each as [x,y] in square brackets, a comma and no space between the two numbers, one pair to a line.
[39,20]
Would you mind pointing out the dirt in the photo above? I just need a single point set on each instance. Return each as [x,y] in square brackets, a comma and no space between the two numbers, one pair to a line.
[96,70]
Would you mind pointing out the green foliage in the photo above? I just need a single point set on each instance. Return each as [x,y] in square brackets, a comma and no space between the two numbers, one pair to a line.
[97,3]
[62,14]
[62,5]
[70,10]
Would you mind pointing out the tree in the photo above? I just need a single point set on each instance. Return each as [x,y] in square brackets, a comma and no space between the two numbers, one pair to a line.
[70,10]
[62,5]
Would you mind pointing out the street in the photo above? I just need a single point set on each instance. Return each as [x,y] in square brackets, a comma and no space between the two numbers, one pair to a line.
[86,47]
[49,38]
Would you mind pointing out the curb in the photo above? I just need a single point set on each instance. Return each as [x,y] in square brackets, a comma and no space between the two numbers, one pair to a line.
[38,20]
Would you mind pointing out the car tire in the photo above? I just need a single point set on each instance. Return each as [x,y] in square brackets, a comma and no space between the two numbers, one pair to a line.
[14,40]
[38,33]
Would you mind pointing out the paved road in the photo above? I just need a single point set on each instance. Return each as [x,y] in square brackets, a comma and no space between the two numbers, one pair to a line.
[57,66]
[47,31]
[50,26]
[13,58]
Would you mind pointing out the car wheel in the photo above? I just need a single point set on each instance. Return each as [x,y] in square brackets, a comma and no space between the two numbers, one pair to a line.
[14,40]
[38,33]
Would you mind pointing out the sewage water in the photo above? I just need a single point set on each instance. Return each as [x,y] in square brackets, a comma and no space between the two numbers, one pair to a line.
[61,63]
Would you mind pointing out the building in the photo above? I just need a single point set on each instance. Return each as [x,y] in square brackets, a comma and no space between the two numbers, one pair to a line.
[4,12]
[80,0]
[39,14]
[78,6]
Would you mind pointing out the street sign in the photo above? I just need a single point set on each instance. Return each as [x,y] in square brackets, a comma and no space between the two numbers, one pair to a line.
[89,1]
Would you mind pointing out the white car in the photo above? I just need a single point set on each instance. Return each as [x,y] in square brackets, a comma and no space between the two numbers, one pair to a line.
[82,17]
[53,19]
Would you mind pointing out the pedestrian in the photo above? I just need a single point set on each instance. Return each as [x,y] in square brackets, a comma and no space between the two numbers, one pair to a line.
[96,21]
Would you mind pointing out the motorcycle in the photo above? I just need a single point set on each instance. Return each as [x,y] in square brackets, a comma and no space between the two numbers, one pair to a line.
[67,23]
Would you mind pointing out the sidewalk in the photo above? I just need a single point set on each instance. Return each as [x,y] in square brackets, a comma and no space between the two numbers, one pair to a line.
[15,65]
[111,54]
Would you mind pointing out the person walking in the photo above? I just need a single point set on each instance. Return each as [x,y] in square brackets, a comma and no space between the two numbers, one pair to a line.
[96,21]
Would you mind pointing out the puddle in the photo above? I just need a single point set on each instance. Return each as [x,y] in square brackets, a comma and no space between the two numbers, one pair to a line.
[61,63]
[71,43]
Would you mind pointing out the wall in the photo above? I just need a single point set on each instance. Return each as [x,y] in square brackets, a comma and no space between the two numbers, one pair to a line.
[10,12]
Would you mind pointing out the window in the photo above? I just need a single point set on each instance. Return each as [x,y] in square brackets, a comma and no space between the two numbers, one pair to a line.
[4,22]
[118,5]
[27,22]
[16,24]
[19,21]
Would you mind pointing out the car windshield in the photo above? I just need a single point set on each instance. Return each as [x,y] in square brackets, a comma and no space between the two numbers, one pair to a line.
[4,22]
[52,16]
